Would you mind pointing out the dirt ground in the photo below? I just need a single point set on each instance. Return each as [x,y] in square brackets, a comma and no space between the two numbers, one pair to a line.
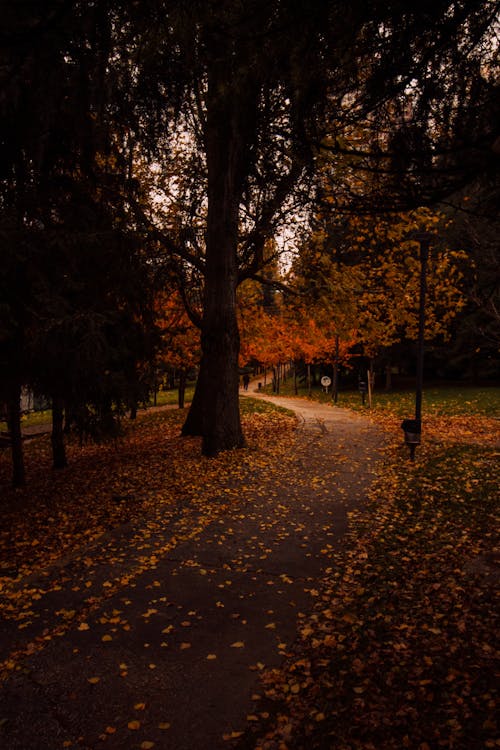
[170,657]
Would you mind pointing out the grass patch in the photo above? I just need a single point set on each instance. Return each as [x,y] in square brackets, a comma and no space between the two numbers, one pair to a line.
[437,400]
[171,397]
[249,405]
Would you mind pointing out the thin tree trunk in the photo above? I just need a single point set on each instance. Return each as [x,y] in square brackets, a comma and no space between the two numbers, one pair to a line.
[335,388]
[388,377]
[59,460]
[309,383]
[14,425]
[182,388]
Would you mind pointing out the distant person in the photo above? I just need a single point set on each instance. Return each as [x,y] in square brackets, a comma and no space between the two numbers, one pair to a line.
[246,380]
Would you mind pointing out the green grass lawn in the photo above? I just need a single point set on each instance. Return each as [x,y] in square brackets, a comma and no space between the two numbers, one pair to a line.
[437,400]
[171,397]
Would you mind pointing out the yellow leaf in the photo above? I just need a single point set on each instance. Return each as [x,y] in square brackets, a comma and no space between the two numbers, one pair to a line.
[150,612]
[106,638]
[93,680]
[140,706]
[238,644]
[164,725]
[232,736]
[134,724]
[147,745]
[84,626]
[211,657]
[110,730]
[185,645]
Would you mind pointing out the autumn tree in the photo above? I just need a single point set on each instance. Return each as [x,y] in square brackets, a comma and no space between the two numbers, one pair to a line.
[180,338]
[250,87]
[365,272]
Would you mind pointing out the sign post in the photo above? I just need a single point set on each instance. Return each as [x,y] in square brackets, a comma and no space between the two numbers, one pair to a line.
[326,383]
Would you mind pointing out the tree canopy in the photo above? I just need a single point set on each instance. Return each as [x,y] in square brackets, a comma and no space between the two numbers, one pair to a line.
[201,129]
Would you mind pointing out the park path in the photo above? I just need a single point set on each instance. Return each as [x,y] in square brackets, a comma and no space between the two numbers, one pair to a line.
[170,658]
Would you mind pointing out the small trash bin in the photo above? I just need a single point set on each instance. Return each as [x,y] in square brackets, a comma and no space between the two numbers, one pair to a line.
[363,389]
[412,429]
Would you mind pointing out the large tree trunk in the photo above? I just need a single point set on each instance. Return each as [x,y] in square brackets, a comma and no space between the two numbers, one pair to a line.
[14,425]
[214,412]
[59,460]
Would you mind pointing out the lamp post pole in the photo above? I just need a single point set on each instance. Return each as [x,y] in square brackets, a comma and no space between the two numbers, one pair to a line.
[424,240]
[413,427]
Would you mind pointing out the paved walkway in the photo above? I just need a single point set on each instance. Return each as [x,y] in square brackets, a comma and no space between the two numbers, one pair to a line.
[167,652]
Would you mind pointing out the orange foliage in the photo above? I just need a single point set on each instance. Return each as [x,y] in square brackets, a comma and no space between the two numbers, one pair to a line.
[180,338]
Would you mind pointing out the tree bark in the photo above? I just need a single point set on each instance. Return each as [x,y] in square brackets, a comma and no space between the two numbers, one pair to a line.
[214,412]
[14,425]
[59,460]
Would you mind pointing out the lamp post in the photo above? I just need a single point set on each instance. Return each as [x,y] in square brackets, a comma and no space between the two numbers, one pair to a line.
[413,427]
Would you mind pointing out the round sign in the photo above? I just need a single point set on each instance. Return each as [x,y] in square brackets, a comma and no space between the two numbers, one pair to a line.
[325,381]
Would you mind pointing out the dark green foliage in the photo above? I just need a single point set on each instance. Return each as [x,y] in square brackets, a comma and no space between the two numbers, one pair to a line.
[75,306]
